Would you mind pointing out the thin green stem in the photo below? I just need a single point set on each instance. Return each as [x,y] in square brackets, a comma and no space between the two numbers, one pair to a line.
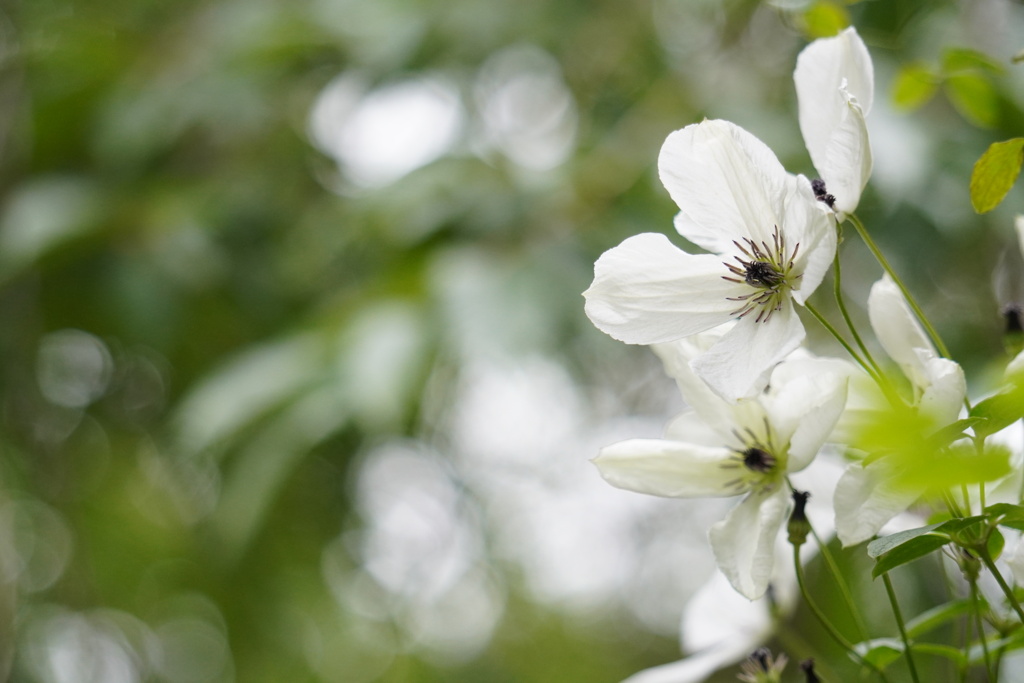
[844,588]
[899,623]
[987,559]
[882,261]
[838,292]
[835,333]
[981,630]
[823,620]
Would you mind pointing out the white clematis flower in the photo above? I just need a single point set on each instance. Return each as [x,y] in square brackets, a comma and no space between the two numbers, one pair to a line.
[719,626]
[835,84]
[866,497]
[772,241]
[720,448]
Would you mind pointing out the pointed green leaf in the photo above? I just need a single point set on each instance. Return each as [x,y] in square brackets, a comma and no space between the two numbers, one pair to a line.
[880,546]
[974,97]
[908,552]
[913,86]
[994,174]
[1000,410]
[964,59]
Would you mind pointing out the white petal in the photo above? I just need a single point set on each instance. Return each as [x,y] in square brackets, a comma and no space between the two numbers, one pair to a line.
[865,500]
[725,181]
[720,627]
[898,330]
[804,412]
[647,291]
[744,542]
[710,238]
[810,224]
[698,667]
[738,366]
[670,468]
[847,165]
[832,76]
[691,427]
[718,413]
[944,392]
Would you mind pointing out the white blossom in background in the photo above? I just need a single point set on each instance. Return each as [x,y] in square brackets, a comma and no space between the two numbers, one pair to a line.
[721,449]
[835,85]
[772,244]
[866,496]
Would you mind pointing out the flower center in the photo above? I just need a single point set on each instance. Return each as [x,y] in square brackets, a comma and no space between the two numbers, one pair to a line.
[758,460]
[755,461]
[766,268]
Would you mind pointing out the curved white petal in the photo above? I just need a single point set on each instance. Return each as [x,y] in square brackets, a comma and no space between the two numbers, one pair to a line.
[691,427]
[697,667]
[670,468]
[712,408]
[710,238]
[810,224]
[804,413]
[725,181]
[744,542]
[898,330]
[647,291]
[835,86]
[848,162]
[944,392]
[865,500]
[739,365]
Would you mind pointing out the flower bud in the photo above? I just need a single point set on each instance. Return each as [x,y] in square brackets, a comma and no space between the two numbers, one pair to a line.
[798,526]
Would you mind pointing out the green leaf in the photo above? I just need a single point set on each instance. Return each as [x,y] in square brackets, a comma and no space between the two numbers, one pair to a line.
[950,433]
[994,174]
[957,59]
[880,651]
[974,97]
[1003,409]
[880,546]
[913,86]
[908,552]
[937,616]
[825,19]
[996,543]
[1006,514]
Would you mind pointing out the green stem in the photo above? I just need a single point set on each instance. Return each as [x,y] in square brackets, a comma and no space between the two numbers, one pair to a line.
[832,631]
[849,349]
[882,261]
[981,630]
[899,623]
[838,292]
[987,559]
[844,588]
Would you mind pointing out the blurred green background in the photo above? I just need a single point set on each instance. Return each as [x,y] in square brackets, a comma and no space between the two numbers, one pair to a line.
[295,380]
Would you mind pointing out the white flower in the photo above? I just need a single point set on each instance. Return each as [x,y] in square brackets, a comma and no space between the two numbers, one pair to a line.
[720,626]
[835,85]
[866,496]
[772,244]
[720,448]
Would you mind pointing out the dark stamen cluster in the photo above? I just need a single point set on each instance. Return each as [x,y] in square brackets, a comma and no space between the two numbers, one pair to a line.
[758,460]
[766,268]
[821,194]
